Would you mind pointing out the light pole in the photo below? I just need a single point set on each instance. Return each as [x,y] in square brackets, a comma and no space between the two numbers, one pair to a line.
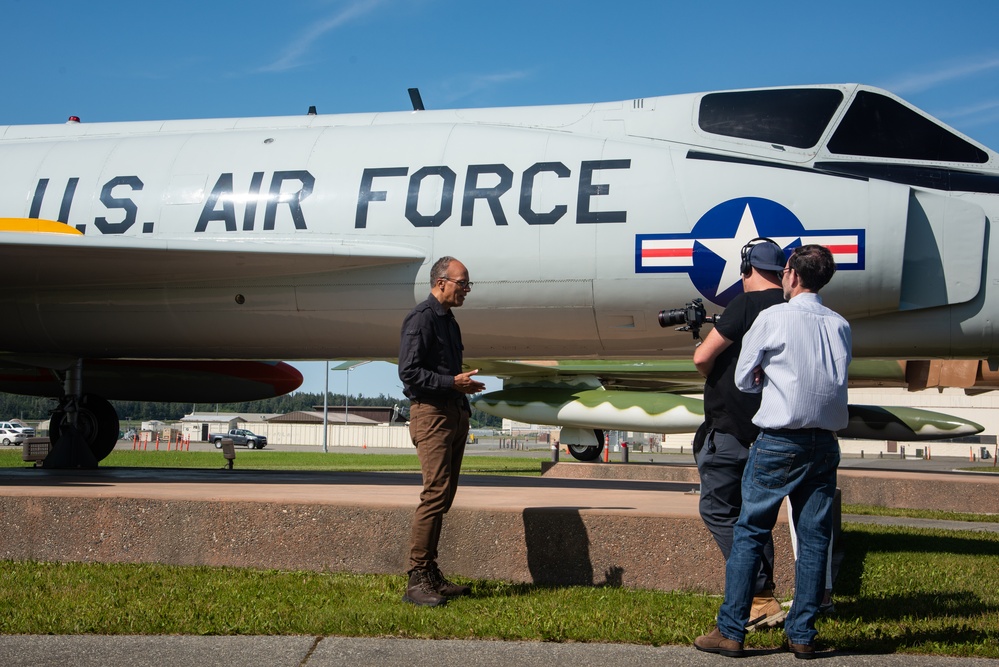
[326,395]
[345,366]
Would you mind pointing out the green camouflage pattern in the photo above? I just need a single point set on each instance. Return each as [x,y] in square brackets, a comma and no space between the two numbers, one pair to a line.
[651,412]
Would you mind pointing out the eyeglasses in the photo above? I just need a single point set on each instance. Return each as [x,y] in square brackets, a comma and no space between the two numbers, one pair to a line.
[463,284]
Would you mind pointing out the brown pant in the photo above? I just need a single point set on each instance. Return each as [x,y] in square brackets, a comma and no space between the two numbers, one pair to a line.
[439,430]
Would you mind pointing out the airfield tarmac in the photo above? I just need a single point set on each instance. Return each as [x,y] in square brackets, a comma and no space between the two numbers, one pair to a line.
[607,524]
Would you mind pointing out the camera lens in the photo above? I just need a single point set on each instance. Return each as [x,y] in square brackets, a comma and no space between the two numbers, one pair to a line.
[672,317]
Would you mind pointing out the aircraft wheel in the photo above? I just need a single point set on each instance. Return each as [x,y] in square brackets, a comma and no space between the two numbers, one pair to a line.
[588,453]
[96,421]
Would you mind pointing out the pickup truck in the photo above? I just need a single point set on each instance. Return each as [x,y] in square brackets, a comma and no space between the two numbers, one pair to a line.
[239,436]
[17,427]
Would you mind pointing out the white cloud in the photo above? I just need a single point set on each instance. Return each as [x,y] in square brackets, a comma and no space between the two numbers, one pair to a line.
[973,110]
[919,82]
[296,51]
[461,87]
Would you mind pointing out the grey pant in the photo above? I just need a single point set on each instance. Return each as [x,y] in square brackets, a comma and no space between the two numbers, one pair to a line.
[720,463]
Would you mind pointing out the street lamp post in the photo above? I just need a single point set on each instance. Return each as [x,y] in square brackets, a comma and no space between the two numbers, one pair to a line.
[326,395]
[345,366]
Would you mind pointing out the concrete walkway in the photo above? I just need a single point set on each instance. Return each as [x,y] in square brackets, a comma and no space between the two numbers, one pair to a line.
[143,651]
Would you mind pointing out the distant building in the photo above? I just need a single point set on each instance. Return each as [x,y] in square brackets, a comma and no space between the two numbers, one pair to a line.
[360,426]
[379,414]
[303,417]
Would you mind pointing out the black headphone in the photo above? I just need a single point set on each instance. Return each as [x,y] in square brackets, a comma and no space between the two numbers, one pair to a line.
[744,266]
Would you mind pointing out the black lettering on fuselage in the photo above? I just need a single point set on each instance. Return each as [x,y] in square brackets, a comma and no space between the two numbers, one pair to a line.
[36,201]
[250,214]
[491,195]
[220,204]
[588,189]
[127,205]
[413,214]
[64,206]
[527,191]
[365,194]
[292,199]
[67,199]
[222,191]
[472,191]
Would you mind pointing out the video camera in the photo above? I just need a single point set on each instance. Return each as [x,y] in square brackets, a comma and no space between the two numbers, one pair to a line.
[692,317]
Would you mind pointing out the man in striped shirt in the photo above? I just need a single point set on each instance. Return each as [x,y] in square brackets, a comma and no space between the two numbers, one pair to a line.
[797,354]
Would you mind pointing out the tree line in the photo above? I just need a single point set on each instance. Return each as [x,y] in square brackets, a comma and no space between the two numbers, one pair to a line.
[37,409]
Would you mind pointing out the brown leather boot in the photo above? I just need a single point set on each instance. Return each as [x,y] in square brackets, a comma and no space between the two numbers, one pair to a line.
[448,589]
[716,642]
[420,590]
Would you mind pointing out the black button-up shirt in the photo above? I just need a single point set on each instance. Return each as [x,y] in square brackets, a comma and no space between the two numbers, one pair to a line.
[430,352]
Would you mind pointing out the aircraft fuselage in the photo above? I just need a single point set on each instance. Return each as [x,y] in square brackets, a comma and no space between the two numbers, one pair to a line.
[310,237]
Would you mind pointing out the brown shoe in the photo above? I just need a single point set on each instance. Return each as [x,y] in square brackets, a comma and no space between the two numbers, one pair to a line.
[716,642]
[420,590]
[766,612]
[448,589]
[801,651]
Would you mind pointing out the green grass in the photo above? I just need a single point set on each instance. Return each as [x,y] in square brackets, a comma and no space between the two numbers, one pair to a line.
[940,515]
[900,590]
[307,461]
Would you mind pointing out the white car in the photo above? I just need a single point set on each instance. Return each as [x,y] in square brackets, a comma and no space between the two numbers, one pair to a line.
[11,437]
[17,427]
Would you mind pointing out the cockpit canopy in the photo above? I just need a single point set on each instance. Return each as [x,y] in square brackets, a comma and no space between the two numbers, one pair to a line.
[875,125]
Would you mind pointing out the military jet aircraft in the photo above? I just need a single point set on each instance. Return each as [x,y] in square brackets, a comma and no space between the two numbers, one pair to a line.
[157,259]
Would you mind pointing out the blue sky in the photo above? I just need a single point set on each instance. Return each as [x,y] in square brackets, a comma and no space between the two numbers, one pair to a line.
[140,61]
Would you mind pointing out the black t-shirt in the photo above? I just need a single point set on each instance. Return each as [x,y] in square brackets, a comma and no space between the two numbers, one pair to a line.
[727,409]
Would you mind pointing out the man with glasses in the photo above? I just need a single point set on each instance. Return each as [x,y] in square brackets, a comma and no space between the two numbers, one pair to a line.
[721,446]
[797,355]
[430,358]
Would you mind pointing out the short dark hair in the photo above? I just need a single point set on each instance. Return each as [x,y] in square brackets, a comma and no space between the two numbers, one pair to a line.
[814,265]
[439,270]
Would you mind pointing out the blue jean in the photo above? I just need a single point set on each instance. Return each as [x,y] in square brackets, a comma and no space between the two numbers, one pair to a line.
[800,465]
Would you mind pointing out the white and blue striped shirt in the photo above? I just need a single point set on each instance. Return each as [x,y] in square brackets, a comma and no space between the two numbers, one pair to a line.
[803,349]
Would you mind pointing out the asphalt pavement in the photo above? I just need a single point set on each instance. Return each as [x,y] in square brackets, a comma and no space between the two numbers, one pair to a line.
[299,651]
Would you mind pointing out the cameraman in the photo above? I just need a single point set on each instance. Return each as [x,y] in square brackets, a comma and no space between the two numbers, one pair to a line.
[722,443]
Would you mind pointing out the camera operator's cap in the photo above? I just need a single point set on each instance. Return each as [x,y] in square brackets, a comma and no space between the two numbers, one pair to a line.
[767,256]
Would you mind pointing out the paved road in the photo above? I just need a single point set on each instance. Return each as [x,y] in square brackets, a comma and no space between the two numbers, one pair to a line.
[143,651]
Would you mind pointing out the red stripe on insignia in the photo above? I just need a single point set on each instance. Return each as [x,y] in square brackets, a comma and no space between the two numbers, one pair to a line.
[843,249]
[667,252]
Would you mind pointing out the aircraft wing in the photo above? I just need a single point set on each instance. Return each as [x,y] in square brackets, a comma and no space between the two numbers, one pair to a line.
[175,380]
[651,396]
[43,253]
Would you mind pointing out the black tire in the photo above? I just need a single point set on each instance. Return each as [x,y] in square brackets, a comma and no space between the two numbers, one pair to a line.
[588,453]
[6,441]
[97,422]
[251,444]
[218,443]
